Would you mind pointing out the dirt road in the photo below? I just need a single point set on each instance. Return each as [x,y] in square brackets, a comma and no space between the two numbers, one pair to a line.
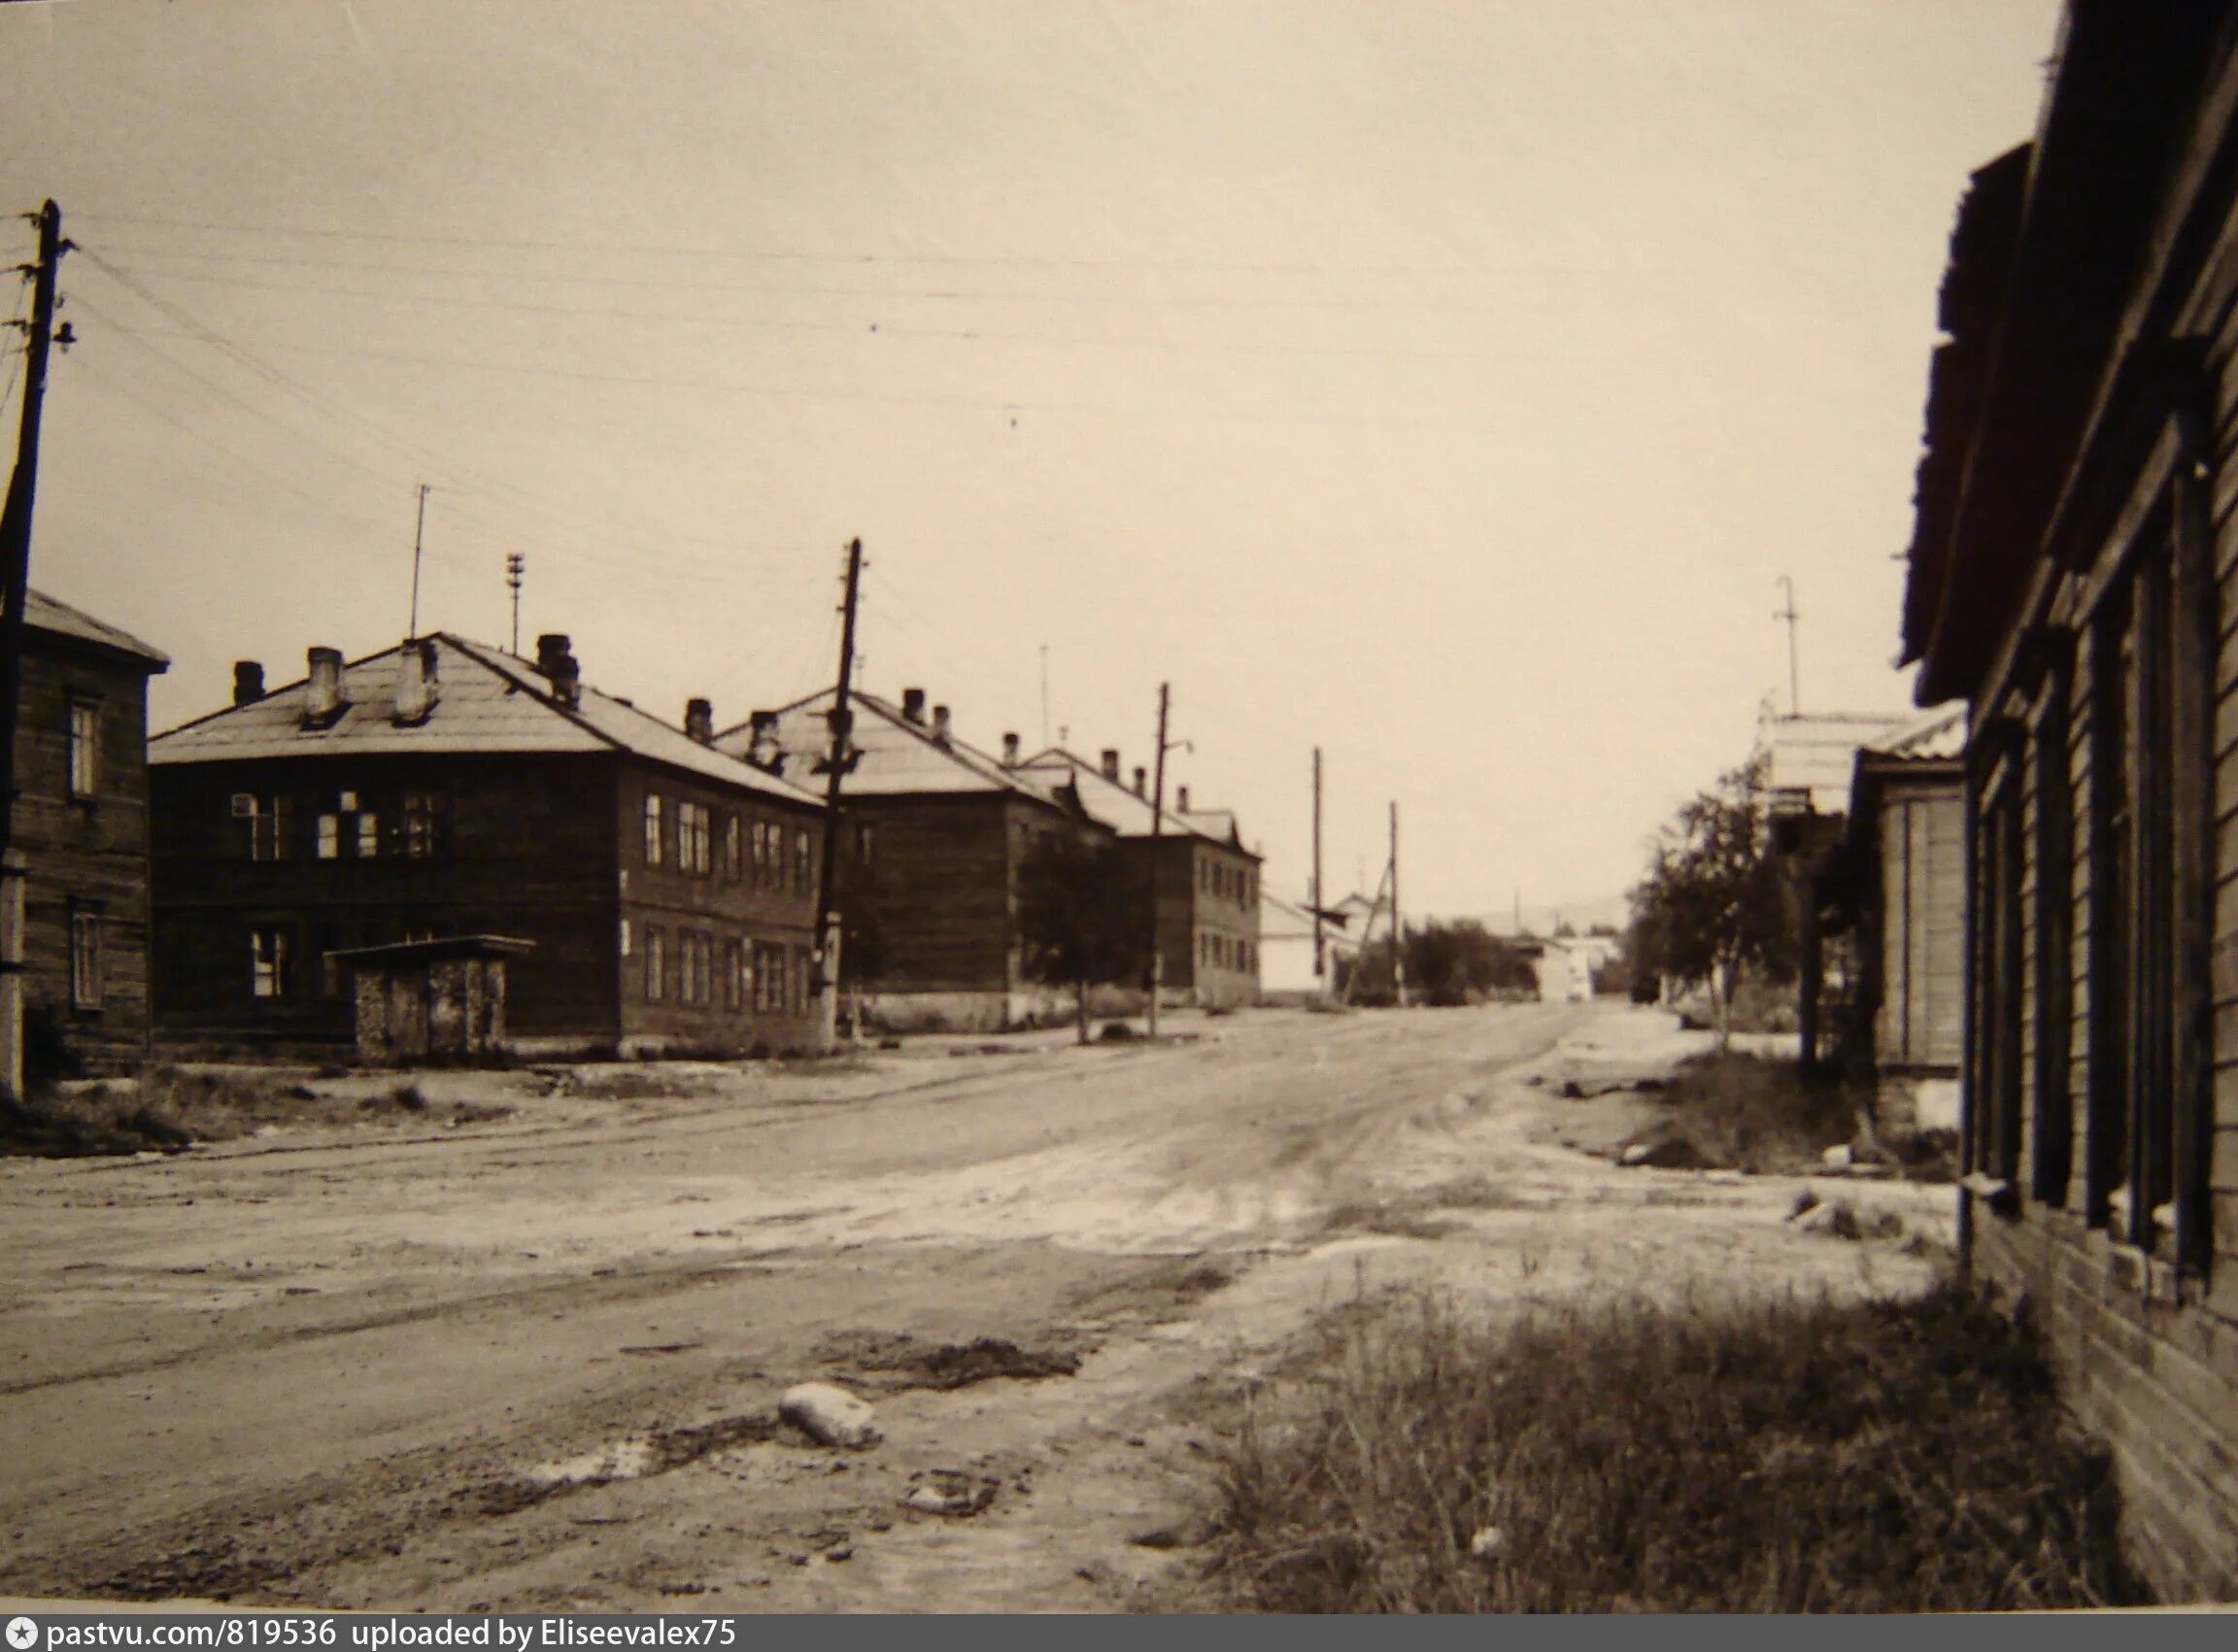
[527,1363]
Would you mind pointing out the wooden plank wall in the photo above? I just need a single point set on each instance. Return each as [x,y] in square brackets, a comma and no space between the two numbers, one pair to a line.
[87,850]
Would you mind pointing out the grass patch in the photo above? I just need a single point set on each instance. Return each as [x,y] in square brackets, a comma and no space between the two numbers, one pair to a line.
[1743,1112]
[1797,1455]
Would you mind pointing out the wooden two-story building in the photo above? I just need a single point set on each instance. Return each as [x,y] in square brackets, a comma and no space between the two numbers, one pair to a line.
[933,831]
[1206,882]
[447,789]
[81,833]
[2074,582]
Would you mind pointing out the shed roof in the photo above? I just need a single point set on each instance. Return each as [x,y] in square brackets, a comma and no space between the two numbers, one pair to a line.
[437,950]
[488,700]
[42,613]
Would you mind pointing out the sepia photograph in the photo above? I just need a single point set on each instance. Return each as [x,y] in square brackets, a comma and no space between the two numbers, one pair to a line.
[1128,807]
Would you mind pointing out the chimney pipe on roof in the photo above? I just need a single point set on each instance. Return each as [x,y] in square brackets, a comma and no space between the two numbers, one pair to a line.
[1009,751]
[913,705]
[1112,764]
[699,721]
[1141,781]
[940,724]
[248,682]
[323,700]
[416,683]
[1181,799]
[555,659]
[762,749]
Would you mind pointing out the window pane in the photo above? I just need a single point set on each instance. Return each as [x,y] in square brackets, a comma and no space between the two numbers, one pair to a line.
[85,748]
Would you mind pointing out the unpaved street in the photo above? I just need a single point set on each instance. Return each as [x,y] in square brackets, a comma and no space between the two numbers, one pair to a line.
[527,1363]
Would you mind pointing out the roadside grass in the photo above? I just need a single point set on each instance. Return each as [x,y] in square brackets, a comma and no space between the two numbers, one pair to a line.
[1790,1456]
[1746,1112]
[172,1108]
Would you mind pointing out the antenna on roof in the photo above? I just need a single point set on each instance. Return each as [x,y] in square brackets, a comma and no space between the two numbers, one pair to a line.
[1045,696]
[515,565]
[418,529]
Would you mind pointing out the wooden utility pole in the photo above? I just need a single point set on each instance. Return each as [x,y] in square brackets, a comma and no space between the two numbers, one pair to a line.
[1157,821]
[842,723]
[15,591]
[1397,925]
[1318,956]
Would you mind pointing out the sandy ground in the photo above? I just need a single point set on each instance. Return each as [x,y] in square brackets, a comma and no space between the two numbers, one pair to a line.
[527,1363]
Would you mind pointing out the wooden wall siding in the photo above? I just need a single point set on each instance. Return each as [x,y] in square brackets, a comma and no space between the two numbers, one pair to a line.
[85,851]
[2028,1078]
[1923,873]
[1193,907]
[528,850]
[779,911]
[945,867]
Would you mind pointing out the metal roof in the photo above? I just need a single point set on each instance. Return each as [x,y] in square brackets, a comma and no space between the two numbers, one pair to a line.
[894,757]
[487,700]
[1119,805]
[42,613]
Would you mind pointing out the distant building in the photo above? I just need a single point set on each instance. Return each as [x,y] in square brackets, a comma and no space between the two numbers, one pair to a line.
[445,789]
[936,831]
[1207,883]
[1286,937]
[81,829]
[1898,883]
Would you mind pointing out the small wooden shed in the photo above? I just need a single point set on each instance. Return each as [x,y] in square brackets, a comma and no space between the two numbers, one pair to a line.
[440,998]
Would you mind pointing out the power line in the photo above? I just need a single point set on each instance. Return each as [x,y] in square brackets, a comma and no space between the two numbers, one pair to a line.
[964,296]
[418,238]
[457,480]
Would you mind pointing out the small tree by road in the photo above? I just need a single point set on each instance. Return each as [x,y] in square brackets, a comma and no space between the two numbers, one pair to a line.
[1711,903]
[1082,918]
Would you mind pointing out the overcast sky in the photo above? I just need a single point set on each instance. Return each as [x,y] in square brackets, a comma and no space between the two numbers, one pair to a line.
[1443,384]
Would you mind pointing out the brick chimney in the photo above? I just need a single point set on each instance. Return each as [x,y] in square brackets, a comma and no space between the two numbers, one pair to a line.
[940,724]
[248,682]
[1112,764]
[1141,781]
[416,683]
[913,705]
[322,701]
[1181,799]
[699,721]
[762,749]
[555,659]
[1009,751]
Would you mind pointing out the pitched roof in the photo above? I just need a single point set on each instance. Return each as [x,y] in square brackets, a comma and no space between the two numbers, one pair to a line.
[1111,801]
[1811,757]
[42,613]
[488,700]
[894,756]
[1937,737]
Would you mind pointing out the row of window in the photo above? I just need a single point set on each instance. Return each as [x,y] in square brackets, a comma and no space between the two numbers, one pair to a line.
[765,976]
[2089,905]
[1228,883]
[693,838]
[1226,952]
[346,826]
